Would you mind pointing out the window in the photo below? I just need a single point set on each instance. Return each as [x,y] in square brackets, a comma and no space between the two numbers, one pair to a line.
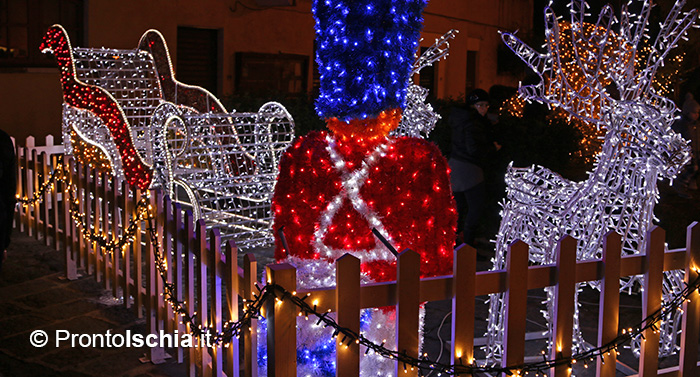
[315,74]
[427,77]
[264,73]
[197,57]
[470,83]
[23,24]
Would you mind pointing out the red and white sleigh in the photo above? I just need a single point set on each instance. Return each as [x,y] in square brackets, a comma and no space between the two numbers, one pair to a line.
[125,111]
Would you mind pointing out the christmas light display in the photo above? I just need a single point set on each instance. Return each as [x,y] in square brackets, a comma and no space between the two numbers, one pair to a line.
[222,166]
[172,90]
[336,189]
[592,135]
[85,152]
[419,118]
[87,138]
[84,96]
[316,358]
[639,149]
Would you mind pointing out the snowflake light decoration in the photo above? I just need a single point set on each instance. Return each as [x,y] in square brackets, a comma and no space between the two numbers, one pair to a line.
[639,148]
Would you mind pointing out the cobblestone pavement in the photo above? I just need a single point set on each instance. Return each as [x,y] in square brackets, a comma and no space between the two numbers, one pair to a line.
[34,296]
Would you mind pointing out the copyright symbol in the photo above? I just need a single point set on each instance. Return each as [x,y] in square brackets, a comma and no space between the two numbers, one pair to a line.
[38,338]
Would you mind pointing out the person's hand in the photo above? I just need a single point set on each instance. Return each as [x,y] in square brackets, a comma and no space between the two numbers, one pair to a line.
[498,146]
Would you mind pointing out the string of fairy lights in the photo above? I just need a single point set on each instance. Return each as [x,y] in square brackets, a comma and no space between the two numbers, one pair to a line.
[109,244]
[252,308]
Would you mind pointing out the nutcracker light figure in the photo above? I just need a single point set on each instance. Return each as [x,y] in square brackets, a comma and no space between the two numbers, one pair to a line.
[336,187]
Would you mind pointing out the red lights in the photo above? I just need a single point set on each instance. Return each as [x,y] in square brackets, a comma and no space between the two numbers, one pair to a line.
[404,189]
[100,103]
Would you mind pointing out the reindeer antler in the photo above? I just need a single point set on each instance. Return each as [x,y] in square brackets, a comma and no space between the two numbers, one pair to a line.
[582,59]
[671,31]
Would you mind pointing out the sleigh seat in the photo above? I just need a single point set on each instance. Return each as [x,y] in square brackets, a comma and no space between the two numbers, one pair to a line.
[124,110]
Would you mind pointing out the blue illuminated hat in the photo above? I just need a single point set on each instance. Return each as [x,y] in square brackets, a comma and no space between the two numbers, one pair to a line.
[365,51]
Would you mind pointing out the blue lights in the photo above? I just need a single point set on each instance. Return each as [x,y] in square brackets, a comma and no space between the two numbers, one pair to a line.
[366,50]
[319,356]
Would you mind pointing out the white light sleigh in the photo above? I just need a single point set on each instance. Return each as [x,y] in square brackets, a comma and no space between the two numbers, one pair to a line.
[223,166]
[639,149]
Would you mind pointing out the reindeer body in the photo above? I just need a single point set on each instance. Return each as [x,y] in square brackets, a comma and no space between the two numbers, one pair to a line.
[579,209]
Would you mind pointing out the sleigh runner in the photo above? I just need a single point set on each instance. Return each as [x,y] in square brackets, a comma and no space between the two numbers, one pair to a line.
[125,111]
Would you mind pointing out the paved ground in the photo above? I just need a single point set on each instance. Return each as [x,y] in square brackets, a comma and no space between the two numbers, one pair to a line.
[33,296]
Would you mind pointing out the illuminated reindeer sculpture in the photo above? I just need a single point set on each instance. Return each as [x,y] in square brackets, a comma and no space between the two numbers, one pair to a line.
[639,147]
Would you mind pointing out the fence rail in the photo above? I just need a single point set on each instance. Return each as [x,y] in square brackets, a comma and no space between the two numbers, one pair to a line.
[206,276]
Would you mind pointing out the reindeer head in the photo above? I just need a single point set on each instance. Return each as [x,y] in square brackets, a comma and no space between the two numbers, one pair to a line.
[593,74]
[55,41]
[645,134]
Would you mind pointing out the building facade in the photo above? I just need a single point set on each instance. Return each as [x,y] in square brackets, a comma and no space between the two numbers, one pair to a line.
[230,46]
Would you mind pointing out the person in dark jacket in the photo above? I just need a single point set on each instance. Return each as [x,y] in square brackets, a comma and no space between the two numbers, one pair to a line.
[472,146]
[8,191]
[689,127]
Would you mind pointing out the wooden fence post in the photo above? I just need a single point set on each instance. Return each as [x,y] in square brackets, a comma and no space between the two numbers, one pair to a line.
[690,327]
[95,210]
[250,339]
[154,283]
[516,304]
[114,229]
[166,229]
[45,196]
[407,308]
[281,324]
[106,258]
[36,217]
[91,249]
[215,320]
[151,300]
[203,293]
[56,213]
[347,304]
[138,254]
[70,236]
[161,235]
[21,216]
[232,281]
[79,238]
[127,210]
[463,304]
[563,321]
[190,249]
[609,311]
[651,300]
[27,187]
[179,235]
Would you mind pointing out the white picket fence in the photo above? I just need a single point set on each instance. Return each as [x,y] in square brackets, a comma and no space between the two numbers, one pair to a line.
[206,275]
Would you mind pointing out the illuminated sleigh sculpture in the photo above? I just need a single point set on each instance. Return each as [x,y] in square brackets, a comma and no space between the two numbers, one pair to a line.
[124,110]
[639,149]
